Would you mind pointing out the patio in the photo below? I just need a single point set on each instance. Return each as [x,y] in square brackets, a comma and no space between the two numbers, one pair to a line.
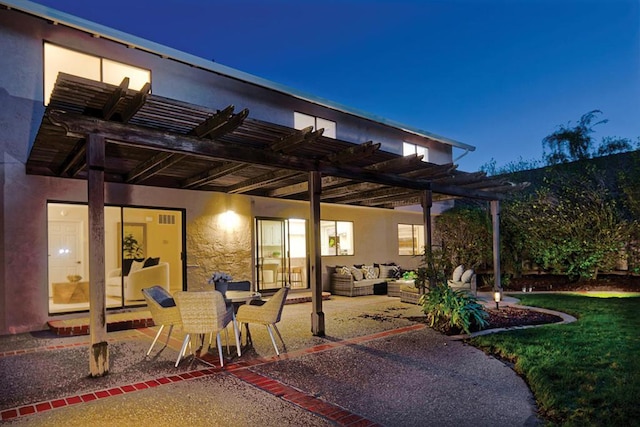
[376,367]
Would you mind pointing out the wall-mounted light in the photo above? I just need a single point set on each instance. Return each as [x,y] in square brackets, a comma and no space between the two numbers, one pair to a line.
[229,220]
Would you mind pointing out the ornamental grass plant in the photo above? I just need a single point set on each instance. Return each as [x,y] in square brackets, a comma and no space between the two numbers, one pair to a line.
[448,309]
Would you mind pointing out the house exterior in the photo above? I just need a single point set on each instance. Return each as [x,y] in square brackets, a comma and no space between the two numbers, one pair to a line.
[193,231]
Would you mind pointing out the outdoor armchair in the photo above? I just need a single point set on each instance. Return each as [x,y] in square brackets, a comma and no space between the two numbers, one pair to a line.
[267,314]
[205,312]
[164,311]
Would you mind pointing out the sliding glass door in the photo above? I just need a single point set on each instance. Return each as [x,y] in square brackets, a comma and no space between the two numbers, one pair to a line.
[143,247]
[281,253]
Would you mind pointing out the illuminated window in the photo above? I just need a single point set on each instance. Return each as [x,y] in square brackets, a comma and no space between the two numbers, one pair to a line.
[408,149]
[410,239]
[58,59]
[301,121]
[336,238]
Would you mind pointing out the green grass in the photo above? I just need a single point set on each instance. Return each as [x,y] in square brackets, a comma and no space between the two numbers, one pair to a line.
[583,373]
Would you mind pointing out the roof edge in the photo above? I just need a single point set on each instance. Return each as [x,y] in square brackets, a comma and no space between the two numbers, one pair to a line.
[130,40]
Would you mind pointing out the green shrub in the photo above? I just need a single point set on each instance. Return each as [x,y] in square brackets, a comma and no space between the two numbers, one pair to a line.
[448,309]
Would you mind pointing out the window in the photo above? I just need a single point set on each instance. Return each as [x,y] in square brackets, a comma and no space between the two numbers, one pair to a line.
[336,238]
[301,121]
[408,149]
[58,59]
[410,239]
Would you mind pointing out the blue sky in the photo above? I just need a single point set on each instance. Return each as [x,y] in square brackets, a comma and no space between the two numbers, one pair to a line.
[496,74]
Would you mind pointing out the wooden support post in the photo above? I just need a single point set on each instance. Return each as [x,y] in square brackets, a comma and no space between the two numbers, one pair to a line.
[99,351]
[427,203]
[495,220]
[315,261]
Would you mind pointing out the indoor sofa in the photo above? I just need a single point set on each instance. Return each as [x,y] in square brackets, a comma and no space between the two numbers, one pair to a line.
[141,274]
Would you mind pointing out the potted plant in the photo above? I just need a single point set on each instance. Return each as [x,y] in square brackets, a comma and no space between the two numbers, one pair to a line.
[130,247]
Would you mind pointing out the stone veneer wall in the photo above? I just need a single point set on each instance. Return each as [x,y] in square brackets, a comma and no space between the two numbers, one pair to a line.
[220,239]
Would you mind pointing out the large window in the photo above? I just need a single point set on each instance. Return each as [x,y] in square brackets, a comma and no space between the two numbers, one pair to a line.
[58,59]
[410,239]
[408,149]
[301,121]
[336,238]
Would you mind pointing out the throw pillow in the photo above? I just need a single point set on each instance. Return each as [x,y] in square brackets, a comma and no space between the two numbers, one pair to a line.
[357,274]
[457,273]
[369,272]
[135,266]
[466,277]
[388,271]
[126,265]
[150,262]
[343,270]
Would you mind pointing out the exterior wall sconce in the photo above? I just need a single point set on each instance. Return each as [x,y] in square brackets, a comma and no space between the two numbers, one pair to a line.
[230,220]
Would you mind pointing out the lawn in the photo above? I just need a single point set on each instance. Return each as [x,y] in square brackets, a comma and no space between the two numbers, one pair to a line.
[583,373]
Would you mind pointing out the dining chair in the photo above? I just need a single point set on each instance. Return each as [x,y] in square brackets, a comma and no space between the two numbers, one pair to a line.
[205,312]
[164,311]
[267,314]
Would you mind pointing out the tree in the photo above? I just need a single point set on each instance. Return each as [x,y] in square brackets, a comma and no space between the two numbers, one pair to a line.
[573,223]
[466,234]
[569,144]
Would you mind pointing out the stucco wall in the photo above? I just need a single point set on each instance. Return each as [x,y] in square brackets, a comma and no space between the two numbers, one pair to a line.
[211,245]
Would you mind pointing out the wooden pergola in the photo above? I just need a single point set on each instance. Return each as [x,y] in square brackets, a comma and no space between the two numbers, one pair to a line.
[104,133]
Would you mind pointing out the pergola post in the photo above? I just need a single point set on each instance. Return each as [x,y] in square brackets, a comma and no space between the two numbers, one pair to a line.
[495,220]
[315,259]
[98,352]
[427,203]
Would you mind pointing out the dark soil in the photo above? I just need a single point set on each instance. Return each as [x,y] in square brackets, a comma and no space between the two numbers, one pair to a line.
[504,317]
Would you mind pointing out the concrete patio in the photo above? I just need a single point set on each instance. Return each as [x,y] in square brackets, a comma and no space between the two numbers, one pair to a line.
[374,367]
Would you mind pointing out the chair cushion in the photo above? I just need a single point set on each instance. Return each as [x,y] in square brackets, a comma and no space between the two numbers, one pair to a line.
[135,266]
[466,277]
[457,273]
[161,296]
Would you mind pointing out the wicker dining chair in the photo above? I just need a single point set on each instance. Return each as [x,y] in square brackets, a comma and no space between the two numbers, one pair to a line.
[205,312]
[267,314]
[164,311]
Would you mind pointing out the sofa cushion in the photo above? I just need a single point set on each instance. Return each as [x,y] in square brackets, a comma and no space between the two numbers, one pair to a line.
[466,276]
[457,273]
[357,274]
[343,270]
[369,272]
[150,262]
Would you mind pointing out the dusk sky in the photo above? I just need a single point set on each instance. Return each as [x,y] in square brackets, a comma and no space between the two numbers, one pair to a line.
[496,74]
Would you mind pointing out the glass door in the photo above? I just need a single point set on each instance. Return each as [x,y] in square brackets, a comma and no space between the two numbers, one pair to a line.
[281,253]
